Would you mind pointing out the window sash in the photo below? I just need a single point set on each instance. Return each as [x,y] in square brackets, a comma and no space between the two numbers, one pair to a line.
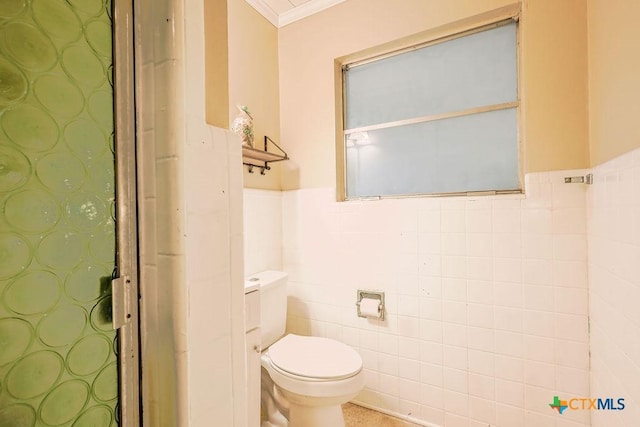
[437,117]
[396,161]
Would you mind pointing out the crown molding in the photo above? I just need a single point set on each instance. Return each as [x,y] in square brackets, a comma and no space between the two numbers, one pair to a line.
[304,10]
[292,15]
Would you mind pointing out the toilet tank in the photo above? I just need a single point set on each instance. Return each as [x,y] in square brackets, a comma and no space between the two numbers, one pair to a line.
[273,304]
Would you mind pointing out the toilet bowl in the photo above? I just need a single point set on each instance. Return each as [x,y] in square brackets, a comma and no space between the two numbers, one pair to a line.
[305,380]
[312,377]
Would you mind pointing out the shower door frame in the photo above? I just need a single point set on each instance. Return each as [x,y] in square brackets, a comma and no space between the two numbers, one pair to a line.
[125,289]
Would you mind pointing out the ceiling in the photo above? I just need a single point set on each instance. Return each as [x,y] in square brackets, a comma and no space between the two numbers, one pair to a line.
[283,12]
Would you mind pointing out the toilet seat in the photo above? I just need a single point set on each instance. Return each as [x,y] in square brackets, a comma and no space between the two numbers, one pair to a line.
[314,358]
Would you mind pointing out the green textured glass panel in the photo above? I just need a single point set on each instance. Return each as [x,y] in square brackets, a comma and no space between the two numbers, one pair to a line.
[10,8]
[17,416]
[85,210]
[103,247]
[61,172]
[58,365]
[99,37]
[64,403]
[97,416]
[62,249]
[101,172]
[88,355]
[15,255]
[83,283]
[103,388]
[85,139]
[29,46]
[13,84]
[15,168]
[62,326]
[59,95]
[30,127]
[101,108]
[82,65]
[57,19]
[32,211]
[15,338]
[33,293]
[101,315]
[90,7]
[34,374]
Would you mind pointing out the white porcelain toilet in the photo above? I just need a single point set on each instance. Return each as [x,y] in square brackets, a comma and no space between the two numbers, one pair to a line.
[305,380]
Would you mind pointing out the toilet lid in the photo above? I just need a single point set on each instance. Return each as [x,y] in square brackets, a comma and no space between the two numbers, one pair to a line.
[315,357]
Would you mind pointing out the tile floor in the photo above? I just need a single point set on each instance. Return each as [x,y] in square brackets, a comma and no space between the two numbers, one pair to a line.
[358,416]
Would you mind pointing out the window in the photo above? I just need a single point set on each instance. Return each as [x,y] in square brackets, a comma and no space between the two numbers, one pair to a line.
[434,119]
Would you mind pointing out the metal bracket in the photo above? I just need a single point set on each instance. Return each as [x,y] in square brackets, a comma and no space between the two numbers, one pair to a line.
[589,178]
[120,312]
[257,158]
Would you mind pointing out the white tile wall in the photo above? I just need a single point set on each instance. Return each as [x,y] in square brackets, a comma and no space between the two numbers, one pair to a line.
[486,298]
[213,277]
[523,281]
[161,265]
[192,304]
[613,224]
[263,230]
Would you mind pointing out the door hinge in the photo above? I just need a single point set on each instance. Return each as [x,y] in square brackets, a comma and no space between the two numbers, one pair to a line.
[120,312]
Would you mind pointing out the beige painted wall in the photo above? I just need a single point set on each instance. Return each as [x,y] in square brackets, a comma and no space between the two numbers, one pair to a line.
[614,82]
[253,80]
[241,61]
[216,63]
[554,79]
[554,61]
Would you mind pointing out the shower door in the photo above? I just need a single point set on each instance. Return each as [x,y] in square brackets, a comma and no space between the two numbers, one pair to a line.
[59,362]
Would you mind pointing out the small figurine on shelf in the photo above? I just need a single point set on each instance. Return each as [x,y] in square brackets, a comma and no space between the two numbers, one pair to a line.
[243,125]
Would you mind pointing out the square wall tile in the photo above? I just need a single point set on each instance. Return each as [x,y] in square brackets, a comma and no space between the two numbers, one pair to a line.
[456,403]
[482,411]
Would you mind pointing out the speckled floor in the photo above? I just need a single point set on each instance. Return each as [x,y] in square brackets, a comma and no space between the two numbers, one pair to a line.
[357,416]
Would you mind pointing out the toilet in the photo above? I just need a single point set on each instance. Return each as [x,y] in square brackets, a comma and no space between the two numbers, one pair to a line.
[305,380]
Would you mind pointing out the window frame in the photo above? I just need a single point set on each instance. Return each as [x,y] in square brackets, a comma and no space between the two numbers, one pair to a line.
[437,35]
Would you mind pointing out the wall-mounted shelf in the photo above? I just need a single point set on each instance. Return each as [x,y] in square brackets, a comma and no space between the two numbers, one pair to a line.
[256,158]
